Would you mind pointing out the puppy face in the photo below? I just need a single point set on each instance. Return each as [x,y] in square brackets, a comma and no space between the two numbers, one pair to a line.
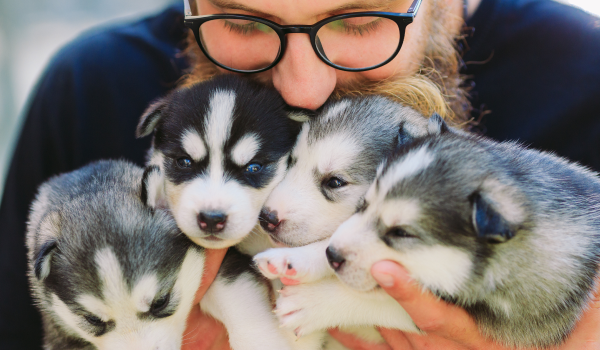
[442,216]
[221,147]
[149,312]
[111,271]
[332,165]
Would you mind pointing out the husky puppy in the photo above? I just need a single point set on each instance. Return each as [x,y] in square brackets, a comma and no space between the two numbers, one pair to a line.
[219,148]
[512,235]
[106,270]
[331,166]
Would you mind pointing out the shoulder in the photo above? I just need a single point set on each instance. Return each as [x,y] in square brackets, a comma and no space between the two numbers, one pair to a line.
[547,24]
[125,48]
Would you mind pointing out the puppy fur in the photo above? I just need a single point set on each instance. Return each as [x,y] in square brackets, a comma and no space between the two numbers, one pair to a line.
[510,234]
[106,270]
[331,167]
[219,148]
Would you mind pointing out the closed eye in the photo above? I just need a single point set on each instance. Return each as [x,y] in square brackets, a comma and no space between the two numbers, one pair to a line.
[160,305]
[398,232]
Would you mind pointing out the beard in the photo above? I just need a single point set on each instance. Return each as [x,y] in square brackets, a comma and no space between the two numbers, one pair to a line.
[436,87]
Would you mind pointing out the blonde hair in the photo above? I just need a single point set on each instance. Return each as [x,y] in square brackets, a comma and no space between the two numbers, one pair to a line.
[436,87]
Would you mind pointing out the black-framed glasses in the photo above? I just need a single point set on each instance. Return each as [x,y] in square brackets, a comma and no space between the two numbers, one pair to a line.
[352,42]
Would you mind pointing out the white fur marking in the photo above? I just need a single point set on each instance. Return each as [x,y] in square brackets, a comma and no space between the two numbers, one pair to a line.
[335,152]
[155,185]
[411,164]
[193,145]
[438,267]
[245,149]
[218,127]
[336,111]
[144,292]
[95,306]
[111,275]
[400,212]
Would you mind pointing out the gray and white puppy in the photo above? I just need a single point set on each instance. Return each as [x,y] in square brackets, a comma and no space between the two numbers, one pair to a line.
[331,167]
[106,270]
[510,234]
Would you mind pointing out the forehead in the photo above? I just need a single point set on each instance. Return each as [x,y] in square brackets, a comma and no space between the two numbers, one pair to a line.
[290,10]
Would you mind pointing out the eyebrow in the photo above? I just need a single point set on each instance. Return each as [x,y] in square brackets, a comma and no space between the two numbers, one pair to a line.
[357,5]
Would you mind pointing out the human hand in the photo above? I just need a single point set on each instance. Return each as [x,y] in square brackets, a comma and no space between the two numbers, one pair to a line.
[448,326]
[204,332]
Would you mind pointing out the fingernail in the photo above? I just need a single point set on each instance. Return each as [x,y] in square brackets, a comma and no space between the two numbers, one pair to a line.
[383,279]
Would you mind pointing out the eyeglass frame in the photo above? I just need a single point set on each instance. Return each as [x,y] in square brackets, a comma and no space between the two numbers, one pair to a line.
[401,19]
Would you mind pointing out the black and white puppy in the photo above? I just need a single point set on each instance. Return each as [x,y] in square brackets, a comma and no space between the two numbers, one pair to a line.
[219,148]
[510,234]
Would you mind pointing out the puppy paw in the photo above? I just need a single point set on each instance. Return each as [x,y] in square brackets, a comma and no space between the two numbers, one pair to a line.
[287,264]
[296,310]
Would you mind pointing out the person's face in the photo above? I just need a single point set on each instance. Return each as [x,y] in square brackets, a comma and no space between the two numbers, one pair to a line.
[301,77]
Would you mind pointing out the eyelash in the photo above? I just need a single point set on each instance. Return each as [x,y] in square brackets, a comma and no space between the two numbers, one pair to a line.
[360,29]
[243,29]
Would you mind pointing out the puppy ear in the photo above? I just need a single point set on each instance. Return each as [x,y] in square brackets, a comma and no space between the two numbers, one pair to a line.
[489,224]
[47,233]
[153,188]
[151,116]
[437,125]
[403,137]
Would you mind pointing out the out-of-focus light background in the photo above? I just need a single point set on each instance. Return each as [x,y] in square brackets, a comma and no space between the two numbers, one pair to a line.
[31,31]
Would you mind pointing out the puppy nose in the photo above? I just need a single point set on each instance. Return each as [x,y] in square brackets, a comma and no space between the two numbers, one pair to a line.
[212,221]
[336,260]
[269,220]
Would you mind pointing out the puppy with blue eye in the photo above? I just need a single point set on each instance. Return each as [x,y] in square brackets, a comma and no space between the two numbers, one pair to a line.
[219,148]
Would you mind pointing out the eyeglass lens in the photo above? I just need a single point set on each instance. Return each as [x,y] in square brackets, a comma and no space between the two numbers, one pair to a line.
[240,44]
[356,42]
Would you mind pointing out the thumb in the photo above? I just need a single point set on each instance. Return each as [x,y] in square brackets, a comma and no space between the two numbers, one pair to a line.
[428,312]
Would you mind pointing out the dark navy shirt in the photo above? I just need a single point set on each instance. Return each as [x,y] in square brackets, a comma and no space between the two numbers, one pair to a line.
[534,66]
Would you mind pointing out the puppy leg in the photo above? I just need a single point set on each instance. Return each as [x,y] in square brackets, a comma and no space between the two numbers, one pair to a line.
[243,306]
[295,265]
[329,303]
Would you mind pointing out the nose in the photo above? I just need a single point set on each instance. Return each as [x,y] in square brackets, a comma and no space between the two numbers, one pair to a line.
[212,221]
[336,260]
[301,77]
[269,220]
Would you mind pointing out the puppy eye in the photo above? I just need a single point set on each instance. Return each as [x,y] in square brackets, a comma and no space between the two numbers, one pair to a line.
[184,163]
[398,232]
[94,320]
[335,182]
[160,304]
[253,168]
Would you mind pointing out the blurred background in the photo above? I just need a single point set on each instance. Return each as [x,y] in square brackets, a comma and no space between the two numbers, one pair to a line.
[31,31]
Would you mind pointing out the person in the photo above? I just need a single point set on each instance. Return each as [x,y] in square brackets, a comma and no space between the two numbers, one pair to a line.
[532,71]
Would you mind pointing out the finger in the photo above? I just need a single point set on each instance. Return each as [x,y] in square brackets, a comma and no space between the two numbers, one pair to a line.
[353,342]
[429,313]
[396,339]
[212,262]
[204,333]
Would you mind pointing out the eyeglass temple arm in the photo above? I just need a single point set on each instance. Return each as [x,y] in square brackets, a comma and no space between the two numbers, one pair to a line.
[412,9]
[187,9]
